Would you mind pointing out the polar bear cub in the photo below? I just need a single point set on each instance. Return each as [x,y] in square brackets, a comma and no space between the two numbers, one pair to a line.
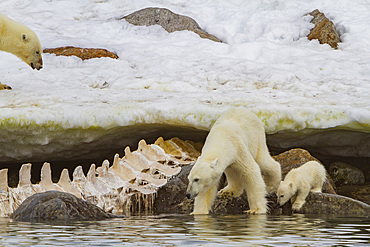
[299,182]
[236,146]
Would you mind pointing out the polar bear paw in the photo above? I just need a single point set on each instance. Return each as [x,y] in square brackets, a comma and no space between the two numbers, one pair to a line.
[297,206]
[256,211]
[229,192]
[4,86]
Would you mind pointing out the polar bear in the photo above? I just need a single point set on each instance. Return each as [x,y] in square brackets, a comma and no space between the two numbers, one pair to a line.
[21,41]
[236,146]
[299,182]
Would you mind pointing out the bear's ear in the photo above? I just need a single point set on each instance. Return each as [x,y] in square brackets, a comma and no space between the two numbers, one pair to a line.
[25,37]
[291,185]
[214,163]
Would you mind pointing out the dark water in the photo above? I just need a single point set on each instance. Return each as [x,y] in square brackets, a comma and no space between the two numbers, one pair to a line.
[185,230]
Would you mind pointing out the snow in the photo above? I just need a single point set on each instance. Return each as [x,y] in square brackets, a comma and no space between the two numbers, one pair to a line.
[265,63]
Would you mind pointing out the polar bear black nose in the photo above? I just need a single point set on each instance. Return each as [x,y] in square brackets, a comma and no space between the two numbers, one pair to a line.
[188,195]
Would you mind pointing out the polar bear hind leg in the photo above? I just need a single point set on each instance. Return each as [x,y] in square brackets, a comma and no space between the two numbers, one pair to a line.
[270,169]
[234,187]
[316,189]
[253,184]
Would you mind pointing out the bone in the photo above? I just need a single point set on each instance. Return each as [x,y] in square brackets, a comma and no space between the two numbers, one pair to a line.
[138,174]
[122,171]
[156,182]
[186,147]
[96,184]
[24,189]
[78,175]
[25,175]
[152,152]
[66,184]
[5,206]
[138,160]
[169,148]
[135,161]
[4,180]
[46,182]
[112,179]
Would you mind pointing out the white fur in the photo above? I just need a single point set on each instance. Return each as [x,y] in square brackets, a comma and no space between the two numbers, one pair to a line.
[299,182]
[236,146]
[21,41]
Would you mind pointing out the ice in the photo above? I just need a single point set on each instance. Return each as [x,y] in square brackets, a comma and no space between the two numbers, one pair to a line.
[265,63]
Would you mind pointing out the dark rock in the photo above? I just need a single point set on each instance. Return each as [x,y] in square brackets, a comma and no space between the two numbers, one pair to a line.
[51,206]
[295,158]
[358,192]
[345,174]
[239,205]
[324,30]
[170,21]
[171,197]
[83,53]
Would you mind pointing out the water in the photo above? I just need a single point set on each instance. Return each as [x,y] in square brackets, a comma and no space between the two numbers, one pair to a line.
[186,230]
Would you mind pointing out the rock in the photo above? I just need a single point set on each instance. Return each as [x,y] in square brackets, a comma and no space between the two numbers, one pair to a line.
[53,206]
[295,158]
[171,197]
[324,30]
[329,204]
[345,174]
[358,192]
[170,21]
[83,53]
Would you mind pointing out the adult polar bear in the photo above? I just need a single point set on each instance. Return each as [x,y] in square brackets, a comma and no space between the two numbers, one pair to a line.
[21,41]
[236,146]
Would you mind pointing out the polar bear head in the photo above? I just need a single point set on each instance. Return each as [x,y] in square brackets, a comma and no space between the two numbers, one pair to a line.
[21,41]
[30,50]
[202,177]
[284,192]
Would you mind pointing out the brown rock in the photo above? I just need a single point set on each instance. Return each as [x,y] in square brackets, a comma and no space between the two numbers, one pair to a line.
[170,21]
[295,158]
[324,30]
[83,53]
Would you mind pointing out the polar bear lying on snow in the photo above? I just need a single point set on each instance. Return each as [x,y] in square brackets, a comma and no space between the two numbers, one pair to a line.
[299,182]
[20,41]
[236,146]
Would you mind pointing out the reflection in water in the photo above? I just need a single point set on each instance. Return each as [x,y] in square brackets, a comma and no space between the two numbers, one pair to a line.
[185,230]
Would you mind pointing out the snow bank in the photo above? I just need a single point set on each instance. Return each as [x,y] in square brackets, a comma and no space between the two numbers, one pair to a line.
[266,63]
